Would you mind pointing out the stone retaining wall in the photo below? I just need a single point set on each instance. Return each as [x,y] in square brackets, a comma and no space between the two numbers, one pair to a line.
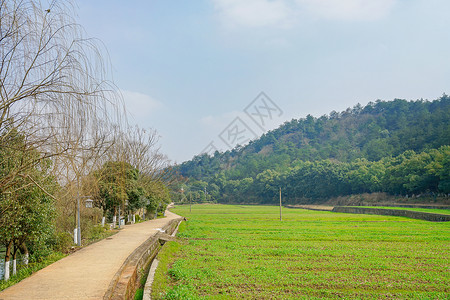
[311,207]
[393,212]
[127,279]
[429,206]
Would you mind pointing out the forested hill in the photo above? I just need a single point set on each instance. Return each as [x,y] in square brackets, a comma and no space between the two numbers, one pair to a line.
[370,135]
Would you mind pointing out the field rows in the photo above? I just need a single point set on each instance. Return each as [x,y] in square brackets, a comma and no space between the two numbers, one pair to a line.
[246,252]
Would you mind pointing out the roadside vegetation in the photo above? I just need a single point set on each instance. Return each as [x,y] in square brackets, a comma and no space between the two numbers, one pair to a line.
[68,156]
[161,279]
[246,252]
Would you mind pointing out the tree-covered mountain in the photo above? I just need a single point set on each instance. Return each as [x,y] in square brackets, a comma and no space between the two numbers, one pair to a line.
[362,149]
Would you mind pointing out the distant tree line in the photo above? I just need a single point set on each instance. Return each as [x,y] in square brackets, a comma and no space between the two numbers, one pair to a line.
[407,174]
[398,147]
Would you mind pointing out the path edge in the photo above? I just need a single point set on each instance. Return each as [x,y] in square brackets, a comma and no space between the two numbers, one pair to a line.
[126,280]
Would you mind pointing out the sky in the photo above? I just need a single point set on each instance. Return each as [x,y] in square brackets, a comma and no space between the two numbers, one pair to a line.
[210,74]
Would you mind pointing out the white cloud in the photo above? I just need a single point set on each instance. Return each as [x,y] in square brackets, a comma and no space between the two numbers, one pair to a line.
[288,13]
[139,105]
[254,13]
[348,10]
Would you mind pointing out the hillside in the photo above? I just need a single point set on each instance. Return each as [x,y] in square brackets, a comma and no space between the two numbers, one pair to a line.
[318,158]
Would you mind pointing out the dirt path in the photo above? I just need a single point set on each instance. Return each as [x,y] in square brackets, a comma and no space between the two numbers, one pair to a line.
[86,274]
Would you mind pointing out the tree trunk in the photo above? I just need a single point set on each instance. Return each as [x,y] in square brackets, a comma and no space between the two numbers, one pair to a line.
[24,250]
[114,217]
[15,260]
[7,258]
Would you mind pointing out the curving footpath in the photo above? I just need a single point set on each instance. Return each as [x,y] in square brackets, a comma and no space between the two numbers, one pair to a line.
[87,273]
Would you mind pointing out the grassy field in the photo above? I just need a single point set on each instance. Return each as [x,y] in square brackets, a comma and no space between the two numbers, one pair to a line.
[246,252]
[427,210]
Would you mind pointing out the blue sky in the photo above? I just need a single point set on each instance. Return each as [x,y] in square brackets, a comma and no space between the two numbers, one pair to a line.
[189,68]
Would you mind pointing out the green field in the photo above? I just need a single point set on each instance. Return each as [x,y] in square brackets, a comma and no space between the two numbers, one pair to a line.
[246,252]
[427,210]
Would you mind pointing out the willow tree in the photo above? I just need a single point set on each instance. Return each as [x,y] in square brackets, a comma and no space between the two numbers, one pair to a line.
[51,78]
[142,151]
[53,91]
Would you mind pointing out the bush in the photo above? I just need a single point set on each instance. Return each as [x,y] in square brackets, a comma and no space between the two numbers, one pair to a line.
[96,232]
[138,218]
[39,249]
[61,242]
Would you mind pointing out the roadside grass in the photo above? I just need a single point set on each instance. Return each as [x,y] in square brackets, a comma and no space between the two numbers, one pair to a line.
[162,279]
[26,271]
[97,234]
[427,210]
[139,294]
[245,252]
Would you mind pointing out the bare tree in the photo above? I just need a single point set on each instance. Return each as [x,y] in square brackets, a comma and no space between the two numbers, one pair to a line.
[83,143]
[142,151]
[48,71]
[54,93]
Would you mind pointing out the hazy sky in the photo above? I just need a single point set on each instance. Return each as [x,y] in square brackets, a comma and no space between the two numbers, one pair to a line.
[189,68]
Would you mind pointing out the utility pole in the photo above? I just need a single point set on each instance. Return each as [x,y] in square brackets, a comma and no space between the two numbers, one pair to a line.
[119,215]
[190,202]
[78,216]
[205,193]
[280,204]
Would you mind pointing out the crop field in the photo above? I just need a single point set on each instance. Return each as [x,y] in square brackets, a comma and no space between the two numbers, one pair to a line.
[246,252]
